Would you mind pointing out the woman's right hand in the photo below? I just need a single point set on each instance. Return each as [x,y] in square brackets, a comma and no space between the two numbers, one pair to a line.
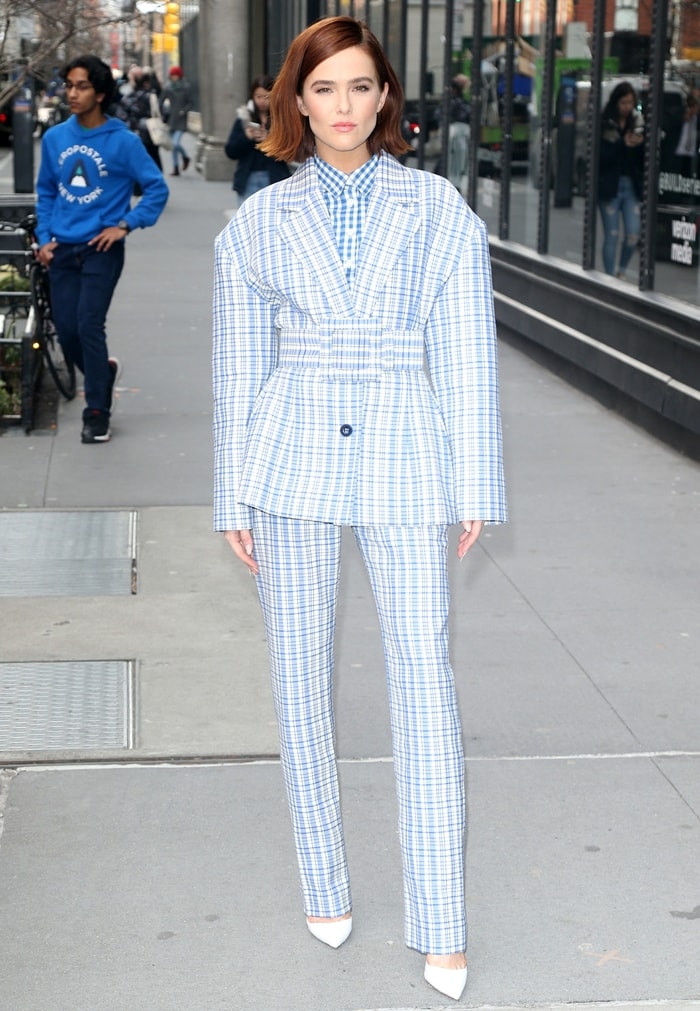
[241,543]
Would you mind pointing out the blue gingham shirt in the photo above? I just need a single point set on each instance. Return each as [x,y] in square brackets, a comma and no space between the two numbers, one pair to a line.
[347,198]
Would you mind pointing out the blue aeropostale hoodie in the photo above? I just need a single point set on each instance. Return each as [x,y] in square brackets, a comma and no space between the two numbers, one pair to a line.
[86,181]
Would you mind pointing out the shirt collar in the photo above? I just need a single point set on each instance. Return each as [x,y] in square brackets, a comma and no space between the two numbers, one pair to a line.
[333,181]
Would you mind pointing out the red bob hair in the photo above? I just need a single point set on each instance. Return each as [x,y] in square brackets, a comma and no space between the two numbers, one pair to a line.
[290,137]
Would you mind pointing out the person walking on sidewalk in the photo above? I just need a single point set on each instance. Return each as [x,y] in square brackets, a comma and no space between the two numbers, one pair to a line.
[331,288]
[89,166]
[137,107]
[175,103]
[621,177]
[255,169]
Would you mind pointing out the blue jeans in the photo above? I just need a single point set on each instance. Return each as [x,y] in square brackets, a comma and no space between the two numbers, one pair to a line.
[178,149]
[627,205]
[82,284]
[256,181]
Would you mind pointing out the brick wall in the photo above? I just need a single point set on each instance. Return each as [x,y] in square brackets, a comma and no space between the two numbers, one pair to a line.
[690,26]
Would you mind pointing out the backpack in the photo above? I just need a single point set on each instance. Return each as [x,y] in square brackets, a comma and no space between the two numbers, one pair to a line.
[133,108]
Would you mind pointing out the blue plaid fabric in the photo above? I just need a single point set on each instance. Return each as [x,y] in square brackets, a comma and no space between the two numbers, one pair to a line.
[347,197]
[322,408]
[299,565]
[331,294]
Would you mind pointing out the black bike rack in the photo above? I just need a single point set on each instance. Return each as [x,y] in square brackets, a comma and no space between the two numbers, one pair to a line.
[14,208]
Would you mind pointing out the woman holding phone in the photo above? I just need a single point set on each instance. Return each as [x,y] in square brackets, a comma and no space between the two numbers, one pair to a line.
[255,170]
[620,176]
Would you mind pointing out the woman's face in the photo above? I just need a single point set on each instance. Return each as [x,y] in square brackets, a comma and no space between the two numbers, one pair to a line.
[261,98]
[625,105]
[341,97]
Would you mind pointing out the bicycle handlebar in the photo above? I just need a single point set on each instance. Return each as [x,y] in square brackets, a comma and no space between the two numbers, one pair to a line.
[26,224]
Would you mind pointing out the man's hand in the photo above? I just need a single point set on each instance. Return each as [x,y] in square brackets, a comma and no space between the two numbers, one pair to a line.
[107,237]
[45,254]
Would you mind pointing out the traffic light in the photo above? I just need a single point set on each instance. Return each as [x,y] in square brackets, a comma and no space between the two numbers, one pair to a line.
[171,19]
[166,40]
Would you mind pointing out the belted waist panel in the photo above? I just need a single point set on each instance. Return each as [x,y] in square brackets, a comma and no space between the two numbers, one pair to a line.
[359,347]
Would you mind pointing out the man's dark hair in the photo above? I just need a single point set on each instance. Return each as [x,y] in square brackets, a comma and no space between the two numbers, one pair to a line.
[99,75]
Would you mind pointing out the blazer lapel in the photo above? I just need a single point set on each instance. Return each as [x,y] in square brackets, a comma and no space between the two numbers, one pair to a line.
[392,218]
[307,228]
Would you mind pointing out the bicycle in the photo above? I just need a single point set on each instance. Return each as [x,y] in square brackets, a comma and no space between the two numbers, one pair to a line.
[60,365]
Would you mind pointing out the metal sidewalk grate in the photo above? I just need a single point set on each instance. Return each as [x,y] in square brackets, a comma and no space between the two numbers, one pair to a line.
[67,705]
[67,554]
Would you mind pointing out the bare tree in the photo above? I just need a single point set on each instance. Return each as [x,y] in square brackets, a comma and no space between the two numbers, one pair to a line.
[36,34]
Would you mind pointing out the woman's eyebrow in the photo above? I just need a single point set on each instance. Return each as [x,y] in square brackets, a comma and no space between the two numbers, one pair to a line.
[354,80]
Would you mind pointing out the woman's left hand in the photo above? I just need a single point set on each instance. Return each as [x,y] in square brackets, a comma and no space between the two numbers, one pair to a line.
[468,537]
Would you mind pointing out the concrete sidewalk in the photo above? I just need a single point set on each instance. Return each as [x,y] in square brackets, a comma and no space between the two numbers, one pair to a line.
[160,874]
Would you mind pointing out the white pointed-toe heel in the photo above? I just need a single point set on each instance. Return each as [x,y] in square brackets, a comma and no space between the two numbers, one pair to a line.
[451,982]
[332,933]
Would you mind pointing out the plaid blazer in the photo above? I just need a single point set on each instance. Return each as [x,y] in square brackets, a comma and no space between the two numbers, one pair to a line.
[323,408]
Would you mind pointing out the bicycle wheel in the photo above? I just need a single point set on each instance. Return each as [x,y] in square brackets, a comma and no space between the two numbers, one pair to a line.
[60,366]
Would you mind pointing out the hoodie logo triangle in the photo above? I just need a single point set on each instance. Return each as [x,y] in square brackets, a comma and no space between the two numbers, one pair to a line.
[80,176]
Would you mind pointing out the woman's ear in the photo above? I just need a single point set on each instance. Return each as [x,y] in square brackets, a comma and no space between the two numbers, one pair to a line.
[300,106]
[382,97]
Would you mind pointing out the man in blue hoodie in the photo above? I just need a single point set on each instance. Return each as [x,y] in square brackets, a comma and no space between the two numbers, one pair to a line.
[89,167]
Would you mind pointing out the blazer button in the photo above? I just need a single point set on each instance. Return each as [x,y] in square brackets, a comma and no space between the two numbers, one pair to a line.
[346,429]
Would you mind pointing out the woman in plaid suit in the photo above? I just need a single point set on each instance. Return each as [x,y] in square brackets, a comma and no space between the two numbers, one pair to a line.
[331,290]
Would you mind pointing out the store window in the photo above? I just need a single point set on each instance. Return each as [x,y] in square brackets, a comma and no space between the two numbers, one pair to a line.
[626,15]
[535,141]
[677,269]
[512,180]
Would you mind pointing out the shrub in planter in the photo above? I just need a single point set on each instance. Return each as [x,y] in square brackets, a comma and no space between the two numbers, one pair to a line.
[11,280]
[10,401]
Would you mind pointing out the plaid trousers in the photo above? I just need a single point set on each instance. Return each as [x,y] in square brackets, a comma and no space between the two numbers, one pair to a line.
[299,564]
